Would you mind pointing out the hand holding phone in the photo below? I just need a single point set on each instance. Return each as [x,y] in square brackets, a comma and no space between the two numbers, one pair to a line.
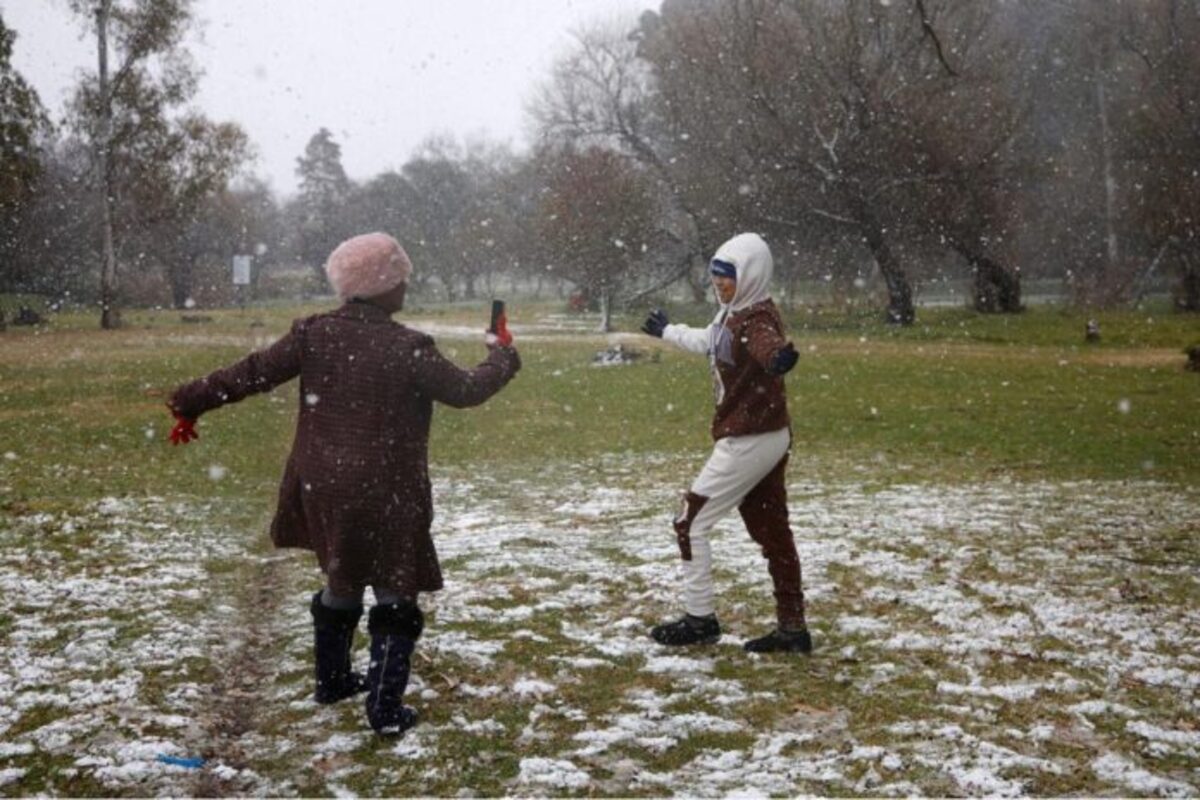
[498,333]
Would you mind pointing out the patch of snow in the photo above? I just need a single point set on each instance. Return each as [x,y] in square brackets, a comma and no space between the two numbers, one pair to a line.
[531,687]
[1113,768]
[691,666]
[1180,739]
[553,772]
[11,775]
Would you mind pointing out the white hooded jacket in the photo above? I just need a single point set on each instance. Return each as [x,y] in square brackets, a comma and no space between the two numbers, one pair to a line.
[751,257]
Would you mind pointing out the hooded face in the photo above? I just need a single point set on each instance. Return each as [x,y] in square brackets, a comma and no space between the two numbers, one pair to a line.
[751,258]
[725,288]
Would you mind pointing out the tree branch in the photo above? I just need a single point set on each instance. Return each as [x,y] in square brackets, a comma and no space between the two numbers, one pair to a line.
[927,26]
[671,278]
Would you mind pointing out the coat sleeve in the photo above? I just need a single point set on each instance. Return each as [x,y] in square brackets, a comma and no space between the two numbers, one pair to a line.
[442,380]
[694,340]
[763,340]
[258,372]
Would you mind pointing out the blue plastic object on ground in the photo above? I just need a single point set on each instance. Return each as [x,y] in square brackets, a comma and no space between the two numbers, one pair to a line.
[180,761]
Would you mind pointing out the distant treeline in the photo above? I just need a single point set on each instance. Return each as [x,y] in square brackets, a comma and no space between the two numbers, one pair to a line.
[871,142]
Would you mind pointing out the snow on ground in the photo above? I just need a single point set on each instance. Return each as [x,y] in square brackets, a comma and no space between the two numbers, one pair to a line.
[106,616]
[1032,624]
[547,327]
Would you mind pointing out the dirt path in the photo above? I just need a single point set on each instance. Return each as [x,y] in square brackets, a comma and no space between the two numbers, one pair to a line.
[244,669]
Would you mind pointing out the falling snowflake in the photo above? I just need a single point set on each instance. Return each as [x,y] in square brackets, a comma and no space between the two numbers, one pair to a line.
[216,472]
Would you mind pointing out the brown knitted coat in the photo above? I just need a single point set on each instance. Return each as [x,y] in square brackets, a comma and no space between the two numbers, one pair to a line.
[356,486]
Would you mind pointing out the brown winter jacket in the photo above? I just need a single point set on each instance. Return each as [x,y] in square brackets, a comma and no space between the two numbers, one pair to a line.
[356,486]
[755,400]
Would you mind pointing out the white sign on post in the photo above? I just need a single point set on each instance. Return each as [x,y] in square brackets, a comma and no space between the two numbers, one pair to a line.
[241,270]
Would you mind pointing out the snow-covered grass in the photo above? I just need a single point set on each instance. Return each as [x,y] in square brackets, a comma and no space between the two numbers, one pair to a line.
[999,542]
[1001,639]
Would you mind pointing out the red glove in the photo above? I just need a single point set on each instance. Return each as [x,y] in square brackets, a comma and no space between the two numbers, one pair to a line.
[184,430]
[501,336]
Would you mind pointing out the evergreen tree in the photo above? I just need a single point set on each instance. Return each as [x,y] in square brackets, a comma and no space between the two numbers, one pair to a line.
[324,190]
[22,122]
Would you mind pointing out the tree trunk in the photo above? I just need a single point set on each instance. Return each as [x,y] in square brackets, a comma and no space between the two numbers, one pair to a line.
[900,310]
[997,290]
[1112,249]
[605,310]
[1189,295]
[181,282]
[110,314]
[699,286]
[1142,284]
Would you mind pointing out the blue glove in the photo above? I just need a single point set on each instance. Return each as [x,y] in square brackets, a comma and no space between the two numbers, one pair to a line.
[784,359]
[656,323]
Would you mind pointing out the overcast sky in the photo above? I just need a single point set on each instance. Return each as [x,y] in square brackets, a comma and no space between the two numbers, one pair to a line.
[382,75]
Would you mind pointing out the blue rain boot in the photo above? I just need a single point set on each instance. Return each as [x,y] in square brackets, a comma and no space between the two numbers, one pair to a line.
[395,629]
[333,637]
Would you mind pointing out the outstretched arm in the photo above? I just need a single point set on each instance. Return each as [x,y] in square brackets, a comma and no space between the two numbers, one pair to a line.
[768,347]
[260,371]
[448,383]
[694,340]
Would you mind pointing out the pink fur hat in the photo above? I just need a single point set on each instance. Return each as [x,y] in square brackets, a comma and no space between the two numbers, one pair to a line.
[368,265]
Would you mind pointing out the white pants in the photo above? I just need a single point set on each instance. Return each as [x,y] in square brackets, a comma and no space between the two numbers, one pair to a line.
[736,466]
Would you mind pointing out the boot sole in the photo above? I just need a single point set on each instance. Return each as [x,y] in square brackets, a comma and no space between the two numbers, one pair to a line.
[801,650]
[705,640]
[400,728]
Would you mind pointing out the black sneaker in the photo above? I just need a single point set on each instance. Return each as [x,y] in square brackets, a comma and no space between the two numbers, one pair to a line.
[780,641]
[687,630]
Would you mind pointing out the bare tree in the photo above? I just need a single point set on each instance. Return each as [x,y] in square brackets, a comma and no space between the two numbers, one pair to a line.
[1165,136]
[970,140]
[445,192]
[603,94]
[826,120]
[596,221]
[138,149]
[788,103]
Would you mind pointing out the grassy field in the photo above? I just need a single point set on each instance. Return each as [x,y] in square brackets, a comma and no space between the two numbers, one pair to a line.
[997,523]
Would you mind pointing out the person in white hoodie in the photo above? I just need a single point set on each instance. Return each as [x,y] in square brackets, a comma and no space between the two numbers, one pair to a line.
[748,355]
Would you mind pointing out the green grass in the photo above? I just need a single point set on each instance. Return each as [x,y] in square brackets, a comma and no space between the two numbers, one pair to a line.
[961,397]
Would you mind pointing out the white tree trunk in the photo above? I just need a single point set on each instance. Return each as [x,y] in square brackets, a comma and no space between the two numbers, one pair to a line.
[605,310]
[1110,181]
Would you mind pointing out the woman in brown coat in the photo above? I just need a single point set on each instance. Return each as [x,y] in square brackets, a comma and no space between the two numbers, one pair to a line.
[356,487]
